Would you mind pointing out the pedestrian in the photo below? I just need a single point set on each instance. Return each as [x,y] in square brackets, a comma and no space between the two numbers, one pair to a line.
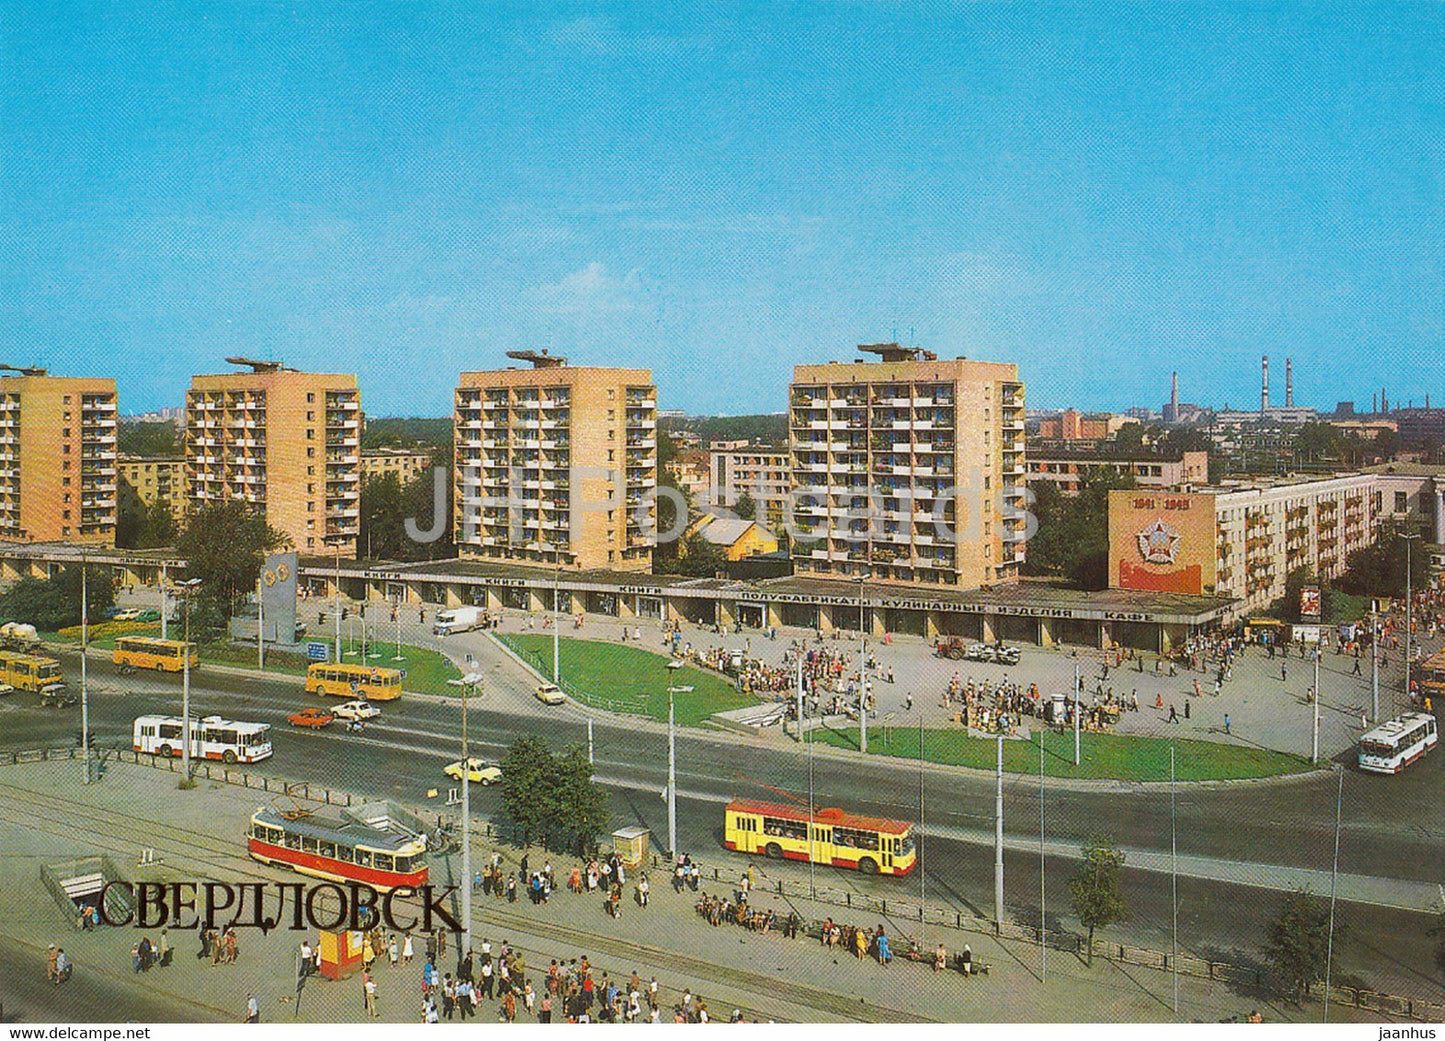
[407,951]
[1174,716]
[369,986]
[1283,673]
[642,890]
[50,971]
[393,953]
[1186,709]
[449,997]
[909,702]
[253,1009]
[1226,723]
[62,966]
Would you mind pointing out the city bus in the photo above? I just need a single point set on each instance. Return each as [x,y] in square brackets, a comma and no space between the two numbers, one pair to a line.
[32,672]
[151,652]
[871,845]
[338,850]
[211,738]
[1430,675]
[354,681]
[1394,745]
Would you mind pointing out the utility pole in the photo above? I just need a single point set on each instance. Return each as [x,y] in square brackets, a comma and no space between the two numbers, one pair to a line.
[556,626]
[922,874]
[1409,609]
[998,842]
[1334,878]
[862,676]
[337,612]
[84,654]
[1374,666]
[590,758]
[163,600]
[672,769]
[1043,917]
[189,587]
[1076,713]
[1174,880]
[260,627]
[1315,734]
[800,696]
[469,683]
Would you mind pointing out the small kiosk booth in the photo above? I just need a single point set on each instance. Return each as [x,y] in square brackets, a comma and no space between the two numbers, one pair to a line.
[630,844]
[341,953]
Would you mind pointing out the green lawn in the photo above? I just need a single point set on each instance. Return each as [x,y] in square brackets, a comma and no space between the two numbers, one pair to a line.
[427,671]
[1101,756]
[622,678]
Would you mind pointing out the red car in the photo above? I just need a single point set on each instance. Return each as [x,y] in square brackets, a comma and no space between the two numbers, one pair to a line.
[316,718]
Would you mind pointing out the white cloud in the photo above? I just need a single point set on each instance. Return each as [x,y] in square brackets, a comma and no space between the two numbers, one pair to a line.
[591,290]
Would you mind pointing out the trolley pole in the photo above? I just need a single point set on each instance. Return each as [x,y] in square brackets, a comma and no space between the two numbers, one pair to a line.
[468,683]
[337,613]
[672,770]
[1409,610]
[862,676]
[260,626]
[556,627]
[163,600]
[800,697]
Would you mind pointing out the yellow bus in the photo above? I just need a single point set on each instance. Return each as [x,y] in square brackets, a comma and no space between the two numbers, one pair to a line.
[1430,676]
[354,681]
[871,845]
[151,652]
[31,672]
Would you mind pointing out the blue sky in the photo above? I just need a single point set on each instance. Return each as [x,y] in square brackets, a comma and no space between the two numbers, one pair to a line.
[1099,192]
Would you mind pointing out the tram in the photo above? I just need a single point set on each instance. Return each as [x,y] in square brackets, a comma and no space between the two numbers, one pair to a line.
[344,849]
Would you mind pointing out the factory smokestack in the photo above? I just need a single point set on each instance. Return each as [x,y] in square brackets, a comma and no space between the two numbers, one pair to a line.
[1174,398]
[1264,388]
[1374,403]
[1288,383]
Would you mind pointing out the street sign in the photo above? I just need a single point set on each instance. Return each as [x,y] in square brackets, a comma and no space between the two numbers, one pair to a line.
[317,651]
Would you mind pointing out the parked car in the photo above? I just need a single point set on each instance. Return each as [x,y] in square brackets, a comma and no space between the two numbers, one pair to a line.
[316,718]
[549,694]
[361,709]
[479,771]
[128,614]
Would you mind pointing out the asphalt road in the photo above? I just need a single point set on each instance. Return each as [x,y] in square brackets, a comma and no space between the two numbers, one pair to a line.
[1393,827]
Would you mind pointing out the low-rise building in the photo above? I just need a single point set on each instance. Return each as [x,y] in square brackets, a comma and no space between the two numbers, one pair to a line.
[761,472]
[1066,469]
[1073,425]
[736,537]
[1239,541]
[406,463]
[146,480]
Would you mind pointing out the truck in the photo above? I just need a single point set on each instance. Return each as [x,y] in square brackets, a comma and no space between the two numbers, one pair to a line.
[458,620]
[17,636]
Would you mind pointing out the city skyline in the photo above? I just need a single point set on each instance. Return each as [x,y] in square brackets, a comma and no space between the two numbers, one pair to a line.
[1102,196]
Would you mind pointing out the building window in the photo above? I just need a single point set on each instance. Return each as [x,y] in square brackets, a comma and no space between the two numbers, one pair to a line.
[310,434]
[310,397]
[1402,502]
[310,452]
[310,416]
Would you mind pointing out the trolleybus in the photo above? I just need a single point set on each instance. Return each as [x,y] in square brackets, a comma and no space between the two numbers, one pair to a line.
[872,845]
[1394,745]
[211,738]
[151,652]
[344,680]
[339,849]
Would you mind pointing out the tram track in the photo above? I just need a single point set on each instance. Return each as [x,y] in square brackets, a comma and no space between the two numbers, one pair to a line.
[115,832]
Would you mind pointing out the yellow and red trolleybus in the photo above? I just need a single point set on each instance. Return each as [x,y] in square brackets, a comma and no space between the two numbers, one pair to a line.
[872,845]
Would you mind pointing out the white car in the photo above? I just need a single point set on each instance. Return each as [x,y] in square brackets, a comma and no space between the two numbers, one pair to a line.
[356,710]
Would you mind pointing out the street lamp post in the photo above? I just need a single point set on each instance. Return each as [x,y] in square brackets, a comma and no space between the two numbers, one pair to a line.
[468,684]
[164,634]
[556,625]
[1374,665]
[84,654]
[672,770]
[186,589]
[337,612]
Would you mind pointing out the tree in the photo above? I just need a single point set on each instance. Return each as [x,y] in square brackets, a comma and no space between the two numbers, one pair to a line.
[552,799]
[697,557]
[1286,608]
[383,517]
[148,439]
[745,507]
[1297,944]
[1315,442]
[54,603]
[1095,889]
[418,500]
[1379,570]
[1129,438]
[225,546]
[1387,444]
[525,771]
[581,811]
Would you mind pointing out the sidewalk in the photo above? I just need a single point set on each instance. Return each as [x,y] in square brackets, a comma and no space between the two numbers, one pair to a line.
[197,835]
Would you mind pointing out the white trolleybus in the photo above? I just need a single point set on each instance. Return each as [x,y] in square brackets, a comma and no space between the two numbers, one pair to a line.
[1394,745]
[211,738]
